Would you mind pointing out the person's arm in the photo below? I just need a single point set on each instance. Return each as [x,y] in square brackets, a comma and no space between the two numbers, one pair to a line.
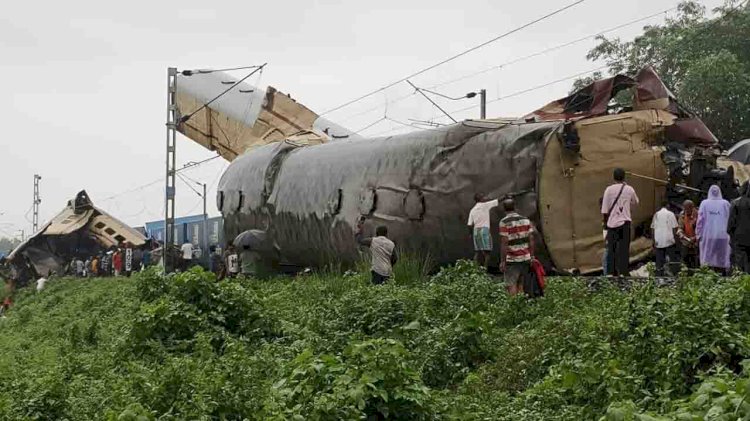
[699,224]
[503,246]
[732,223]
[653,230]
[634,198]
[532,242]
[606,203]
[394,257]
[360,238]
[503,252]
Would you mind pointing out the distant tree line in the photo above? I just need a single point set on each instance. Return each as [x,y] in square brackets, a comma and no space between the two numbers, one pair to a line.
[8,244]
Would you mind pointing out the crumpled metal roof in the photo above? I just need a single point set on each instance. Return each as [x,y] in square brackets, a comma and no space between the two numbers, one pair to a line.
[650,93]
[77,216]
[247,116]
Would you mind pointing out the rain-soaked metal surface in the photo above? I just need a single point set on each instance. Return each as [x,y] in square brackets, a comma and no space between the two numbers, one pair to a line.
[556,162]
[420,185]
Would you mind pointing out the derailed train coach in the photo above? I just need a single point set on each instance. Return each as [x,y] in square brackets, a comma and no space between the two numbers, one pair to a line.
[555,162]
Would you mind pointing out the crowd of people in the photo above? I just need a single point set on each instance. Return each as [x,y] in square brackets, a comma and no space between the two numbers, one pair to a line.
[716,234]
[121,260]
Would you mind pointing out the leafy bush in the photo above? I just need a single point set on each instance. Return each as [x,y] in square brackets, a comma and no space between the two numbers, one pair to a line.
[332,346]
[371,381]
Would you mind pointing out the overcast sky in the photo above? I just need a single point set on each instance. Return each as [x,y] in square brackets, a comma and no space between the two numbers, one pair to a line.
[83,82]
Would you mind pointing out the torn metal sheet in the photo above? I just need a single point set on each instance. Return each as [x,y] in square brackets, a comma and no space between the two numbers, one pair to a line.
[79,230]
[650,93]
[246,116]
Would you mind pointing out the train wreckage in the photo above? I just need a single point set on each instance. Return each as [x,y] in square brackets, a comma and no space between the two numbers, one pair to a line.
[80,229]
[307,188]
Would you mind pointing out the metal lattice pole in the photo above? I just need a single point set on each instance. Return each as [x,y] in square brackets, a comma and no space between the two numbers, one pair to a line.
[37,201]
[169,191]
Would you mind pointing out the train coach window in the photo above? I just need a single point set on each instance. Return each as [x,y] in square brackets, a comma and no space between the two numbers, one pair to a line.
[367,200]
[110,231]
[334,203]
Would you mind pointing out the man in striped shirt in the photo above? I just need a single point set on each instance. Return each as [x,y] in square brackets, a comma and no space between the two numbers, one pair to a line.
[516,235]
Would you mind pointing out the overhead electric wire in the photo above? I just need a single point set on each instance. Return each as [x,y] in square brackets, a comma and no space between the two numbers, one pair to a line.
[517,60]
[189,185]
[432,102]
[187,117]
[207,71]
[551,49]
[523,91]
[449,59]
[190,165]
[161,179]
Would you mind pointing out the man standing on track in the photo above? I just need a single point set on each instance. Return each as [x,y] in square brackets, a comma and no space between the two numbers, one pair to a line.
[616,203]
[664,232]
[517,248]
[479,226]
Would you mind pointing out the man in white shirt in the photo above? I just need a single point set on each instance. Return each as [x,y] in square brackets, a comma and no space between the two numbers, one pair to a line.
[479,225]
[187,255]
[664,231]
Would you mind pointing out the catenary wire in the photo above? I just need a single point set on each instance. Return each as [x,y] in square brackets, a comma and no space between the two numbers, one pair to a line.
[515,61]
[449,59]
[187,117]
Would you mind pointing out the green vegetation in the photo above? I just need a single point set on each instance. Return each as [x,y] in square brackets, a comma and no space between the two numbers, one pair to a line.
[330,346]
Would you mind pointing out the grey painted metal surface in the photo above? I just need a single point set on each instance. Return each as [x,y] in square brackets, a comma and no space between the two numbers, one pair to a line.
[420,185]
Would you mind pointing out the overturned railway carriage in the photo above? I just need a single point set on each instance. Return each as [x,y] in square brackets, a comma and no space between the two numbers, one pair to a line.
[309,190]
[421,186]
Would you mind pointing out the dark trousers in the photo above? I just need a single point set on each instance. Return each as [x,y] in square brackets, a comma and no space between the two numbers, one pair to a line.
[618,250]
[742,257]
[662,254]
[690,257]
[378,279]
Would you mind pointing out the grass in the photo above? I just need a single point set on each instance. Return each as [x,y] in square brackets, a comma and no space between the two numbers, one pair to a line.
[329,345]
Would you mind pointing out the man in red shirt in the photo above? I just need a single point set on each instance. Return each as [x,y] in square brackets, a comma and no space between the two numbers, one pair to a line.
[517,247]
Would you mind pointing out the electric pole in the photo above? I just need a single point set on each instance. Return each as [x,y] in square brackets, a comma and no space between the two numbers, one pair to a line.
[37,201]
[171,171]
[483,104]
[205,229]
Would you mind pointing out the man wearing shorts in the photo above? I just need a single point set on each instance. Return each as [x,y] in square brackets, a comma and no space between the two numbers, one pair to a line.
[479,224]
[516,235]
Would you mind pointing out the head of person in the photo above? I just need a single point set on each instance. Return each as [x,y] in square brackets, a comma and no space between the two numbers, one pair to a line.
[480,197]
[688,206]
[509,205]
[212,249]
[714,192]
[381,231]
[618,175]
[664,203]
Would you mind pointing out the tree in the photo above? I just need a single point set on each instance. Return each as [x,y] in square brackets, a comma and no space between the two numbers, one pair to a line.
[8,244]
[705,62]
